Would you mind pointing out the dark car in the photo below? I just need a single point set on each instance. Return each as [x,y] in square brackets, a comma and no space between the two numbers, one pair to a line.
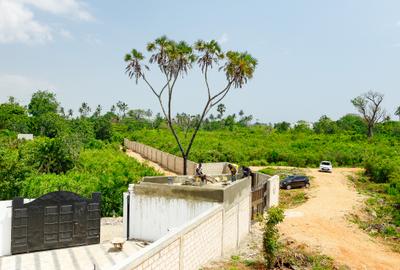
[295,181]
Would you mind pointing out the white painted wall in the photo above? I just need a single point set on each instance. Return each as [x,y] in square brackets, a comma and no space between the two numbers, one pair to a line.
[5,228]
[27,137]
[273,191]
[152,217]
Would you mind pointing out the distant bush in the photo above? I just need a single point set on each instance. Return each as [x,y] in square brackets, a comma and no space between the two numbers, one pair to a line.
[56,155]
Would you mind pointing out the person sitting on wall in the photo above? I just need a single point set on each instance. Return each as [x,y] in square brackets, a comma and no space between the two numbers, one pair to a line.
[233,171]
[199,173]
[246,171]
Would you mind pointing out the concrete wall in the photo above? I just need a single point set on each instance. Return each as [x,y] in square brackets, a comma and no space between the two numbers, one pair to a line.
[27,137]
[152,217]
[5,228]
[207,237]
[272,191]
[166,160]
[215,168]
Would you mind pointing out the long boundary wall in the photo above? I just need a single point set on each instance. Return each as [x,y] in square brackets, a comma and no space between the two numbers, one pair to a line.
[171,162]
[205,238]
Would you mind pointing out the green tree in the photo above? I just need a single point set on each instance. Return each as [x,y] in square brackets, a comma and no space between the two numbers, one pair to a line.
[221,110]
[175,60]
[302,126]
[325,125]
[52,155]
[14,117]
[103,128]
[352,123]
[83,129]
[122,107]
[369,105]
[84,110]
[12,173]
[43,102]
[70,113]
[244,119]
[282,126]
[97,112]
[49,124]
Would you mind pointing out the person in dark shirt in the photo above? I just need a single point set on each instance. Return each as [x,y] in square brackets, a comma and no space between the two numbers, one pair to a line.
[246,171]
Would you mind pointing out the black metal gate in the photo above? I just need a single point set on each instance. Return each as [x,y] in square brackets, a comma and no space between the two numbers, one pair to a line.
[55,220]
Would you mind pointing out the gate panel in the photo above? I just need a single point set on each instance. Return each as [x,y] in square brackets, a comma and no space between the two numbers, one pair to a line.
[55,220]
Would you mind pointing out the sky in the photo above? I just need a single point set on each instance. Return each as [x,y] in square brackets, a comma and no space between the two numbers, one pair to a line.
[314,56]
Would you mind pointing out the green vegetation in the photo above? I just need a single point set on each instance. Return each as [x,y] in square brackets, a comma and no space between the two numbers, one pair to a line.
[105,170]
[263,145]
[271,245]
[80,154]
[62,141]
[381,215]
[290,256]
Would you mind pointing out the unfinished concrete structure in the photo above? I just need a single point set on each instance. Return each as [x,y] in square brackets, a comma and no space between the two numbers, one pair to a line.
[188,225]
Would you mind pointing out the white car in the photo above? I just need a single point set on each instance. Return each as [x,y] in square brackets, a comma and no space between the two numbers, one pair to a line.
[325,166]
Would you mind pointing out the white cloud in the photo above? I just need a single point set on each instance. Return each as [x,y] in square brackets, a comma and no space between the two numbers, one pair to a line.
[66,34]
[93,40]
[18,23]
[21,87]
[223,39]
[74,8]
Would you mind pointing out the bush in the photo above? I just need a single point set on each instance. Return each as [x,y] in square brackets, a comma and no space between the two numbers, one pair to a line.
[57,155]
[271,235]
[106,170]
[12,173]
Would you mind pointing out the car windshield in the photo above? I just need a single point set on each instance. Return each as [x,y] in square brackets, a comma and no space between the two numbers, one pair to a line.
[325,163]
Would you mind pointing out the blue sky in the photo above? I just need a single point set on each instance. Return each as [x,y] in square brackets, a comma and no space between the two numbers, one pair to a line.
[314,56]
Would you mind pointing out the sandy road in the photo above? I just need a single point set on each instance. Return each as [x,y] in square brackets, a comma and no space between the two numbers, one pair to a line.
[152,164]
[321,223]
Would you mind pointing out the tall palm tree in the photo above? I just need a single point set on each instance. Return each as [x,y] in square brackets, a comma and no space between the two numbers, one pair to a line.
[175,60]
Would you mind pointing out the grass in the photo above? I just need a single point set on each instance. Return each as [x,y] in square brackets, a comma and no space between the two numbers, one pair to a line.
[378,217]
[291,256]
[289,198]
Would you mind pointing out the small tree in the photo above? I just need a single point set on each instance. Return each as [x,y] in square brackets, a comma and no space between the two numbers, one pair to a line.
[369,105]
[175,60]
[70,113]
[43,102]
[84,110]
[122,107]
[325,125]
[97,112]
[397,112]
[271,235]
[221,109]
[282,126]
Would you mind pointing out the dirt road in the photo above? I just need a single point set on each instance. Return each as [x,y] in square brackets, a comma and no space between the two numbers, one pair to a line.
[154,165]
[321,223]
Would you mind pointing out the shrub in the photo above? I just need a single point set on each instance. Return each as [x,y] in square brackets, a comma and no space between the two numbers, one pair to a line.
[271,235]
[57,155]
[106,170]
